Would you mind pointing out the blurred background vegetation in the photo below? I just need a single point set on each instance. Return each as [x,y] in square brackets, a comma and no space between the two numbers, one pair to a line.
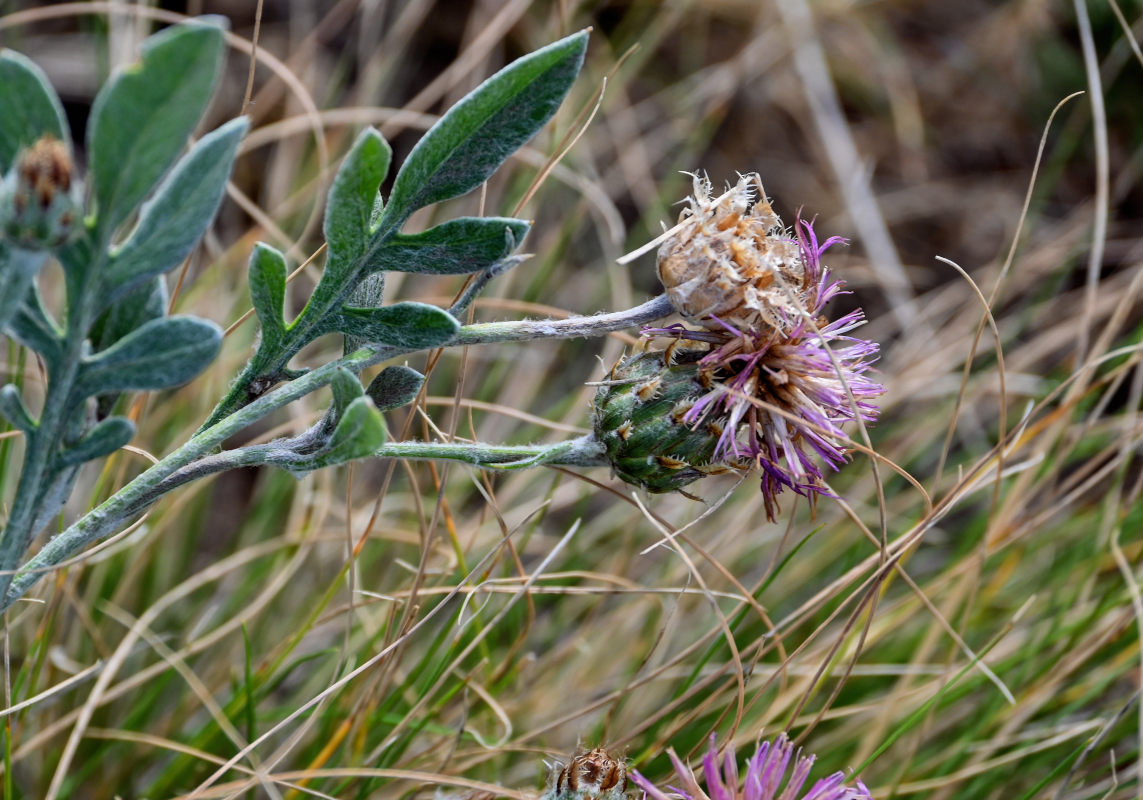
[388,629]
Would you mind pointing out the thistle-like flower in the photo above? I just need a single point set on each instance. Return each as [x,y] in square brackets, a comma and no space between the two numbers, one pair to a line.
[765,773]
[593,775]
[782,377]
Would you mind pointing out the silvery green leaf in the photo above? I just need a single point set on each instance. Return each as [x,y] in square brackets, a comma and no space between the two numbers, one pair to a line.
[142,117]
[161,353]
[476,135]
[359,432]
[33,327]
[136,308]
[394,387]
[18,268]
[369,293]
[268,291]
[140,306]
[410,325]
[102,440]
[346,388]
[31,107]
[175,218]
[352,201]
[457,247]
[12,408]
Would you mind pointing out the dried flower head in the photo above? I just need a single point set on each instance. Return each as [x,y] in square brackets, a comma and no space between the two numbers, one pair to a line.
[782,379]
[729,259]
[765,773]
[593,775]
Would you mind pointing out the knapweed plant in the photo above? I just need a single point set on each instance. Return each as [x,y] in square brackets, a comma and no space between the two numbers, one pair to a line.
[755,378]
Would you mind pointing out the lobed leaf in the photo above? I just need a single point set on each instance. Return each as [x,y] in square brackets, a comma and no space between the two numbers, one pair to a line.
[457,247]
[18,269]
[12,408]
[394,387]
[143,116]
[33,327]
[353,200]
[476,135]
[31,107]
[411,325]
[102,440]
[134,309]
[268,291]
[161,353]
[368,293]
[129,312]
[359,433]
[173,221]
[346,388]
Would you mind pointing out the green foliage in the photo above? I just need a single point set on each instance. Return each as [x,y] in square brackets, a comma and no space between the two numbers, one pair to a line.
[113,336]
[157,355]
[141,119]
[102,440]
[18,268]
[13,410]
[455,156]
[482,130]
[354,204]
[394,387]
[175,218]
[457,247]
[268,291]
[31,107]
[413,326]
[359,432]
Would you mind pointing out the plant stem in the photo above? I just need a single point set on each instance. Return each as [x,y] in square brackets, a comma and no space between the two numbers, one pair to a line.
[38,473]
[157,480]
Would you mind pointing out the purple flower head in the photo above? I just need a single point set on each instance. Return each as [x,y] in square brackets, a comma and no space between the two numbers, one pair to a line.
[766,777]
[780,390]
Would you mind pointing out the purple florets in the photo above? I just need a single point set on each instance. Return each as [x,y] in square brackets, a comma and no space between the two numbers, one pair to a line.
[779,397]
[765,777]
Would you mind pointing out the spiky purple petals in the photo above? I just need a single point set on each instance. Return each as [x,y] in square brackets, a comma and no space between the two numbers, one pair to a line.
[782,390]
[766,777]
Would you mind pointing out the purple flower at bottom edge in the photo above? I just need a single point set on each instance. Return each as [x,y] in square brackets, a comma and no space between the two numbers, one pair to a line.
[765,775]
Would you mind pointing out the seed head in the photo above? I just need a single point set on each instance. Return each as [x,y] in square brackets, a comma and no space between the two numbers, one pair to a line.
[730,260]
[593,775]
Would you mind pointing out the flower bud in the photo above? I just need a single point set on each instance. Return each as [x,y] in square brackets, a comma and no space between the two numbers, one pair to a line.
[39,197]
[594,775]
[639,419]
[730,259]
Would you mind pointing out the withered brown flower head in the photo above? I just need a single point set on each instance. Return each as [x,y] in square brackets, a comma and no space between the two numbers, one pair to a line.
[730,259]
[40,197]
[46,168]
[593,775]
[780,378]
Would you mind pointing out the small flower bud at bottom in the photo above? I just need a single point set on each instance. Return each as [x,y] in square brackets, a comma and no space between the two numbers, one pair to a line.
[594,775]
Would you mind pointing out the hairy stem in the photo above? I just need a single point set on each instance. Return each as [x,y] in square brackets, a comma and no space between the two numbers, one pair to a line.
[38,471]
[188,460]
